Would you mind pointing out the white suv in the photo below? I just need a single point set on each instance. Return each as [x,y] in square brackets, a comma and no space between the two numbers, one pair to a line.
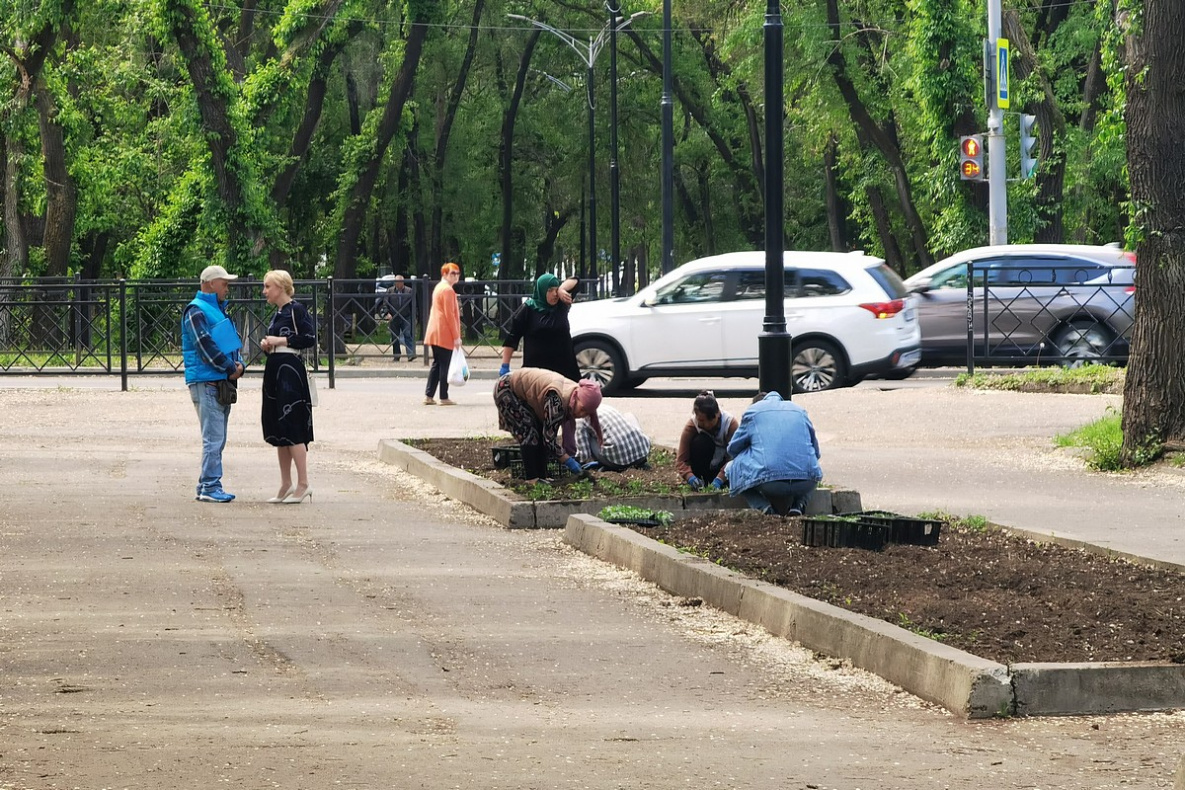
[850,316]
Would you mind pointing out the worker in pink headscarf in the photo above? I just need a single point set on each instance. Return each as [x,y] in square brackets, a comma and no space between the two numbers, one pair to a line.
[535,405]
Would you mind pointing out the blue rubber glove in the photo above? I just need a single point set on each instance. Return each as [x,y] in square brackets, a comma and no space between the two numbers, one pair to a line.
[502,371]
[573,466]
[717,484]
[695,482]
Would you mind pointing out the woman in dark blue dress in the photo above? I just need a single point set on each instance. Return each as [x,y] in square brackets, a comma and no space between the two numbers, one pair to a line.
[287,406]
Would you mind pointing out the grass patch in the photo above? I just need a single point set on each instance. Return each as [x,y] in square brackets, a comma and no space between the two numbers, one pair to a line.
[972,523]
[1088,379]
[1104,440]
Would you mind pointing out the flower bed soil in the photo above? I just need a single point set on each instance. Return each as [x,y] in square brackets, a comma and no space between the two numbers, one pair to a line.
[474,455]
[993,594]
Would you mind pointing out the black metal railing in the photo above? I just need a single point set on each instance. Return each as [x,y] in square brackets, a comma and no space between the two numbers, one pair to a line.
[1025,315]
[56,326]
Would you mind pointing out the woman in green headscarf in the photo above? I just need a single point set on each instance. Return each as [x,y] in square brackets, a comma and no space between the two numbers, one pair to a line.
[542,326]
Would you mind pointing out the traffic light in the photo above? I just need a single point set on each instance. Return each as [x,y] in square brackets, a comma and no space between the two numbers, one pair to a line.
[1028,146]
[971,157]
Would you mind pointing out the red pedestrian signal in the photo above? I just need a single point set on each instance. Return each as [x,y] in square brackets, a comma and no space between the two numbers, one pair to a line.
[971,157]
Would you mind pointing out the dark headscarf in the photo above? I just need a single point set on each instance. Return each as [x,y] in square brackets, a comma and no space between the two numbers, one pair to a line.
[538,300]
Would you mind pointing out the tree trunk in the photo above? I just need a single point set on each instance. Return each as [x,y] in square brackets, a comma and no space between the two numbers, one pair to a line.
[222,137]
[835,211]
[705,193]
[426,266]
[749,197]
[356,206]
[446,128]
[512,264]
[16,246]
[554,222]
[884,229]
[28,61]
[884,138]
[400,238]
[1154,392]
[314,104]
[61,194]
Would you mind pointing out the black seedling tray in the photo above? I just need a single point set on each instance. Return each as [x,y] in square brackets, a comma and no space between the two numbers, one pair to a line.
[904,529]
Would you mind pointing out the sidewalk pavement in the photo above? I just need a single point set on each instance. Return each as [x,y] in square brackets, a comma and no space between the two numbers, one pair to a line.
[381,636]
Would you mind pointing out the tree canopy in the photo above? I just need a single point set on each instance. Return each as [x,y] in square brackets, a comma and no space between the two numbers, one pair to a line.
[347,137]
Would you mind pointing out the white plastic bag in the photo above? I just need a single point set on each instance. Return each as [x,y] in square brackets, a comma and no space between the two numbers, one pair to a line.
[458,369]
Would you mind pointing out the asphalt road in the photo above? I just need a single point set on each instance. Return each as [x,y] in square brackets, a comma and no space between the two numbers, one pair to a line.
[381,636]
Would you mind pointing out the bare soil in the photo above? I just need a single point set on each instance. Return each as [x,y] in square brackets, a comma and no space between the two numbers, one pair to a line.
[986,591]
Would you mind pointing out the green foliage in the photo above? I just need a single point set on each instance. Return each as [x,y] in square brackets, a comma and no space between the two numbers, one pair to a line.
[1092,378]
[635,514]
[904,621]
[974,523]
[1103,439]
[139,150]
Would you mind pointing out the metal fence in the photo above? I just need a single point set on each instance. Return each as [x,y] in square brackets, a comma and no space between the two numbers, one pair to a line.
[56,326]
[1033,314]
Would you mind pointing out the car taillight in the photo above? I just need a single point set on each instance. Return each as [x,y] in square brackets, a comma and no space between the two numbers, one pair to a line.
[1131,256]
[1131,289]
[885,309]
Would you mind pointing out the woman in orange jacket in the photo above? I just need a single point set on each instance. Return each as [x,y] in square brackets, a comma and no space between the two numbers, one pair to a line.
[443,333]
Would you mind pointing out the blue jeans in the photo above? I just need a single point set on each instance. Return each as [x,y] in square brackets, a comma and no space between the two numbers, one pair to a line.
[794,494]
[213,417]
[401,332]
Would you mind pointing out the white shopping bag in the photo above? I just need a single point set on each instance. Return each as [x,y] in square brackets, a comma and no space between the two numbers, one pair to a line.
[458,369]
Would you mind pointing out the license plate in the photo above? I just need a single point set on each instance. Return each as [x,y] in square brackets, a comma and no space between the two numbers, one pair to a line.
[909,358]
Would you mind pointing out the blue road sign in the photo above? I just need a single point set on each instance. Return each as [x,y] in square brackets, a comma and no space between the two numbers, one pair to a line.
[1002,73]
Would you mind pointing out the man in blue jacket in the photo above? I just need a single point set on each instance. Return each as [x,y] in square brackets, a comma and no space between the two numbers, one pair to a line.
[775,456]
[210,347]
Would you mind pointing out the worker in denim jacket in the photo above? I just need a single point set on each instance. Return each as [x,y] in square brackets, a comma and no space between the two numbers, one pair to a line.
[775,456]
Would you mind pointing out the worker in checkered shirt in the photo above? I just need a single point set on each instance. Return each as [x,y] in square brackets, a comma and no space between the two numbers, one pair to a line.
[625,443]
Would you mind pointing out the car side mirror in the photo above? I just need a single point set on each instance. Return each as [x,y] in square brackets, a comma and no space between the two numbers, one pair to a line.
[921,287]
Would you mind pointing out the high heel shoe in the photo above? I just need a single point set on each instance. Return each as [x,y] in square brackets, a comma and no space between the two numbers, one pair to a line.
[293,499]
[281,497]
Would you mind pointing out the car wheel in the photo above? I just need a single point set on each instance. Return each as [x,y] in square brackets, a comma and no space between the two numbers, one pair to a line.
[599,360]
[1083,342]
[817,366]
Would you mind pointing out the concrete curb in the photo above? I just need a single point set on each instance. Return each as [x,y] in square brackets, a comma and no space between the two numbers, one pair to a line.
[495,501]
[961,682]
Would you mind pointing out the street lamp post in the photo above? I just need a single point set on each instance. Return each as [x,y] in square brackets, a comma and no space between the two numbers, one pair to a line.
[668,146]
[588,56]
[614,176]
[774,342]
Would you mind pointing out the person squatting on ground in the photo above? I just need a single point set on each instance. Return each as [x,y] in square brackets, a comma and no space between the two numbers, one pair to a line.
[624,443]
[400,306]
[210,350]
[703,445]
[287,413]
[534,404]
[541,324]
[443,333]
[775,456]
